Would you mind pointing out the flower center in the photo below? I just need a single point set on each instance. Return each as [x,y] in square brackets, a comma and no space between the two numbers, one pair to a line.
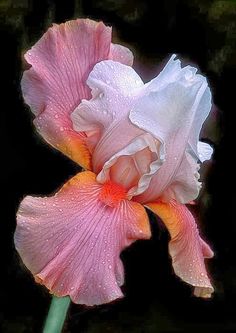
[112,193]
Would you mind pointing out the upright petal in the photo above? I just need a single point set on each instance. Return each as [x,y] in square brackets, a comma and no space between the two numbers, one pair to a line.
[72,241]
[186,247]
[121,151]
[177,103]
[55,84]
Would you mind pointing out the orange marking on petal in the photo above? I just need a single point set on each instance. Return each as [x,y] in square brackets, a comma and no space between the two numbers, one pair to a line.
[76,149]
[112,193]
[83,178]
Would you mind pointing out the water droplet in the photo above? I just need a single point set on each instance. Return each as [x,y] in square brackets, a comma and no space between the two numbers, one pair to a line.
[56,115]
[110,267]
[101,95]
[60,210]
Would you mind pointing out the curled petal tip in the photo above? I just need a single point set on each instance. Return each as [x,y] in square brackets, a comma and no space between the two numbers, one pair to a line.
[203,292]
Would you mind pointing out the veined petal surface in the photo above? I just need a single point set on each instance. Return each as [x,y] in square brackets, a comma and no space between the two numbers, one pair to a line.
[72,241]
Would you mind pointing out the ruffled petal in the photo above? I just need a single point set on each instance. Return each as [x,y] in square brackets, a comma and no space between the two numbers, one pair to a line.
[134,165]
[173,111]
[114,88]
[186,247]
[132,159]
[72,241]
[55,84]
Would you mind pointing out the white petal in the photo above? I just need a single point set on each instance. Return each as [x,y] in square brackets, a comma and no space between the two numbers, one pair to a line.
[138,144]
[205,151]
[177,103]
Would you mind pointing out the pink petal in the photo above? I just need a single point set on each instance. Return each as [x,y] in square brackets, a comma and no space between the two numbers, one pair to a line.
[72,241]
[121,54]
[173,111]
[186,247]
[55,84]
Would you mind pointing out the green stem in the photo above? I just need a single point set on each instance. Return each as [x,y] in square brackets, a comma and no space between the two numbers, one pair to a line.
[56,315]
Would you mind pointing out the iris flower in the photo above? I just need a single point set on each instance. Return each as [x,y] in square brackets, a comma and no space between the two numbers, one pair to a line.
[139,146]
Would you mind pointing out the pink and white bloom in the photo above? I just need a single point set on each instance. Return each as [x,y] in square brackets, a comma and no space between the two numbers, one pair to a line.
[140,146]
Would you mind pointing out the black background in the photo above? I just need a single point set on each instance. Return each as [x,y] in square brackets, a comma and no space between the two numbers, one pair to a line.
[202,31]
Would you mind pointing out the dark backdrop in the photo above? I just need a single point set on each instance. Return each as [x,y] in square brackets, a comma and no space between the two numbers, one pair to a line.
[200,31]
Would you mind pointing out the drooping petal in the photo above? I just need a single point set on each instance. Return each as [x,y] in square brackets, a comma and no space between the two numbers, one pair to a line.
[173,111]
[186,247]
[55,84]
[72,241]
